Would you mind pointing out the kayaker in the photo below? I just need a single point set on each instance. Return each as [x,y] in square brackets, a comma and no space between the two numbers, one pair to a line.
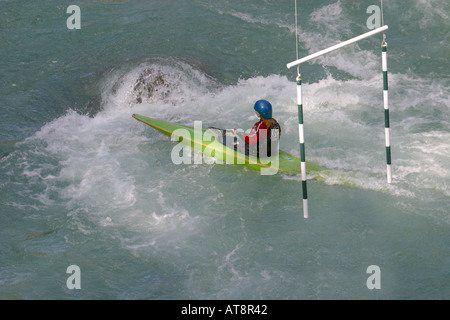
[265,133]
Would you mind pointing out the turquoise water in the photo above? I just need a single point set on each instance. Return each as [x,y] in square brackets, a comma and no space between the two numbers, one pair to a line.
[83,183]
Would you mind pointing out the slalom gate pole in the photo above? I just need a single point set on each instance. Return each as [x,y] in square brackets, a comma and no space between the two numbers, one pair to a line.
[302,145]
[386,111]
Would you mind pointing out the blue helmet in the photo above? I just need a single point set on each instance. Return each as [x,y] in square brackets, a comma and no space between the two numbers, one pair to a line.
[264,108]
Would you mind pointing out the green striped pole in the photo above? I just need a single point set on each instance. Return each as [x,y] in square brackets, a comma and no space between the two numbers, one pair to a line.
[386,111]
[302,146]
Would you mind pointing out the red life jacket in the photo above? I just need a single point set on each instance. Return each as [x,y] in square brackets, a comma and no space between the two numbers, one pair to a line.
[268,136]
[256,133]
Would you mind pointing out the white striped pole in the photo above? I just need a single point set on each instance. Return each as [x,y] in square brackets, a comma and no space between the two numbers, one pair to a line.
[386,111]
[302,146]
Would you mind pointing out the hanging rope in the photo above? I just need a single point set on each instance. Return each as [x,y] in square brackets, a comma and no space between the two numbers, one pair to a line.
[296,38]
[384,43]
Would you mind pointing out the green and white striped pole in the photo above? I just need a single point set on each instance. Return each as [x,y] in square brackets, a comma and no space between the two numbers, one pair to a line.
[386,111]
[302,146]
